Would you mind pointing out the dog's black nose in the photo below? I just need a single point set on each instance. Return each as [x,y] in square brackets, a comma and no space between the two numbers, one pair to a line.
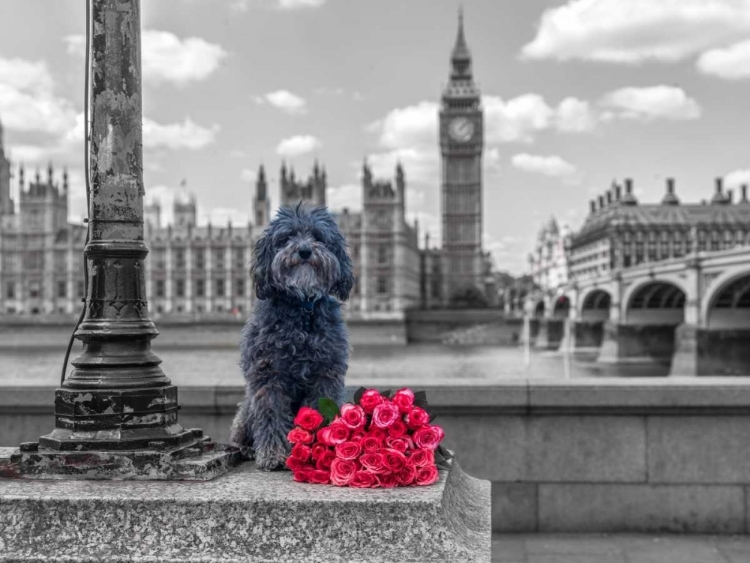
[305,252]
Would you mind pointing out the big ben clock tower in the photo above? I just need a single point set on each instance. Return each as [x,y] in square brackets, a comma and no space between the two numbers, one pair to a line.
[461,144]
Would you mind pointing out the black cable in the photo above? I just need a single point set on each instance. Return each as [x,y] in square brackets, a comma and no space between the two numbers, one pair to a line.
[88,187]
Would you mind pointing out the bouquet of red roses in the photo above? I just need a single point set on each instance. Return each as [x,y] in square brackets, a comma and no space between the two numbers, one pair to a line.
[378,441]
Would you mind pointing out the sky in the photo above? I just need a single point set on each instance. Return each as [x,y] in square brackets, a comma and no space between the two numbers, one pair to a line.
[575,94]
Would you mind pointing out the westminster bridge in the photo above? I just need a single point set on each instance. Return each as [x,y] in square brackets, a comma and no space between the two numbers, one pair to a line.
[692,312]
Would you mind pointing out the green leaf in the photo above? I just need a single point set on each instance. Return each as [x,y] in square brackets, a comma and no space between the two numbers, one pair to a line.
[328,408]
[358,395]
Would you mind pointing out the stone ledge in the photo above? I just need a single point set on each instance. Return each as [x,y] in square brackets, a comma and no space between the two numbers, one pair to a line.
[246,515]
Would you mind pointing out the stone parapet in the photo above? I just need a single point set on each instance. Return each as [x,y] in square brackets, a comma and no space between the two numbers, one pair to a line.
[245,516]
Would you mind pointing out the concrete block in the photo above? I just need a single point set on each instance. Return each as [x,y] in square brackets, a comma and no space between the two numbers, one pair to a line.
[514,507]
[247,516]
[698,449]
[592,508]
[586,448]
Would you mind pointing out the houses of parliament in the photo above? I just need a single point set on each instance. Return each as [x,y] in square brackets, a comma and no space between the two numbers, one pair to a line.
[204,270]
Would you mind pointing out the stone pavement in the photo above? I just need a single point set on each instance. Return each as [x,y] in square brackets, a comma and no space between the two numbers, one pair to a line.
[619,548]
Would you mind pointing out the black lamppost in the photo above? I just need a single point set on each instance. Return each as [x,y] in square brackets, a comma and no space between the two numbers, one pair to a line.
[117,404]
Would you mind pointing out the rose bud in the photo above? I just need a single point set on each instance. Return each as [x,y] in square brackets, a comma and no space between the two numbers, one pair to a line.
[309,419]
[417,417]
[342,472]
[397,429]
[299,436]
[353,416]
[320,477]
[428,437]
[407,475]
[387,480]
[318,450]
[303,474]
[324,461]
[371,444]
[398,444]
[370,399]
[364,480]
[357,436]
[377,433]
[422,457]
[384,415]
[339,433]
[394,460]
[426,475]
[404,399]
[301,452]
[374,463]
[348,450]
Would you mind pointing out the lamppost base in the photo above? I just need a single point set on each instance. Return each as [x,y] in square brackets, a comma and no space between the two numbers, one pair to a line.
[202,460]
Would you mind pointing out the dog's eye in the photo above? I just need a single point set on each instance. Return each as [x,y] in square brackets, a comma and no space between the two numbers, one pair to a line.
[318,236]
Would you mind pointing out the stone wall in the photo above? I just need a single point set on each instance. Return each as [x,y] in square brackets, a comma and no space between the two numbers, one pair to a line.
[447,325]
[623,342]
[604,455]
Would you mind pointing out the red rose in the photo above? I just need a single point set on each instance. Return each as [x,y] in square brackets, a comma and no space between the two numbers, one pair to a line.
[407,475]
[309,419]
[339,433]
[387,480]
[371,444]
[426,475]
[428,437]
[303,474]
[357,436]
[353,416]
[377,433]
[394,460]
[320,477]
[348,450]
[370,399]
[325,460]
[374,463]
[417,417]
[295,464]
[422,457]
[342,472]
[404,399]
[324,436]
[301,452]
[364,480]
[397,444]
[318,450]
[384,415]
[299,436]
[397,429]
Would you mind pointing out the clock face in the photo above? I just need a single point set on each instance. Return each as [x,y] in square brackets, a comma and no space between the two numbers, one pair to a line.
[461,129]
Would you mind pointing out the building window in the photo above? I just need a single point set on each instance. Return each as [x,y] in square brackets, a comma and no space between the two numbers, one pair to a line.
[382,254]
[34,260]
[35,289]
[62,289]
[219,287]
[239,258]
[179,259]
[160,259]
[81,289]
[61,264]
[10,290]
[199,257]
[200,288]
[160,288]
[179,288]
[382,285]
[239,287]
[219,258]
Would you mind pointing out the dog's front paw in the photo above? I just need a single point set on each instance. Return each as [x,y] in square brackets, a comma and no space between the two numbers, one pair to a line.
[273,461]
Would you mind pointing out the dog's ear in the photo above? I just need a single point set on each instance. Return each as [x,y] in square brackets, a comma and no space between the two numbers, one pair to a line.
[344,284]
[261,266]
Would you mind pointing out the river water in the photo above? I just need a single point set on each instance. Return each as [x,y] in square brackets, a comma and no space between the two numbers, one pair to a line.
[383,364]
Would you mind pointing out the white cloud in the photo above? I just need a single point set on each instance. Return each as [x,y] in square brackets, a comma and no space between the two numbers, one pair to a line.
[646,104]
[296,4]
[297,145]
[288,102]
[737,178]
[731,63]
[632,31]
[167,58]
[347,195]
[552,166]
[185,135]
[408,126]
[575,116]
[221,216]
[248,175]
[420,165]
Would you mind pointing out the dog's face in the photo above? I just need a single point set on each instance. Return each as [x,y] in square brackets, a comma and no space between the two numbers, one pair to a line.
[302,253]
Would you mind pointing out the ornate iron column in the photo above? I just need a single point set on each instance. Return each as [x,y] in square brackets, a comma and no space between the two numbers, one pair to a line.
[117,402]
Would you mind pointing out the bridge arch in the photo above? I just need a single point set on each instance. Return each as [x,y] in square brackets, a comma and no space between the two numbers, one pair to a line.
[595,305]
[561,307]
[539,308]
[727,305]
[655,302]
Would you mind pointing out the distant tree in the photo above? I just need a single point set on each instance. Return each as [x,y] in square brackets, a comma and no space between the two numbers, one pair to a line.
[470,297]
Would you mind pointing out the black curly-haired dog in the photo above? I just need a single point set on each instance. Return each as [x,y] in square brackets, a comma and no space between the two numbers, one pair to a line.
[294,347]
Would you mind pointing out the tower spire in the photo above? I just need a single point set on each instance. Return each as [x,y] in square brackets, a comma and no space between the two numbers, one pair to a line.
[461,56]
